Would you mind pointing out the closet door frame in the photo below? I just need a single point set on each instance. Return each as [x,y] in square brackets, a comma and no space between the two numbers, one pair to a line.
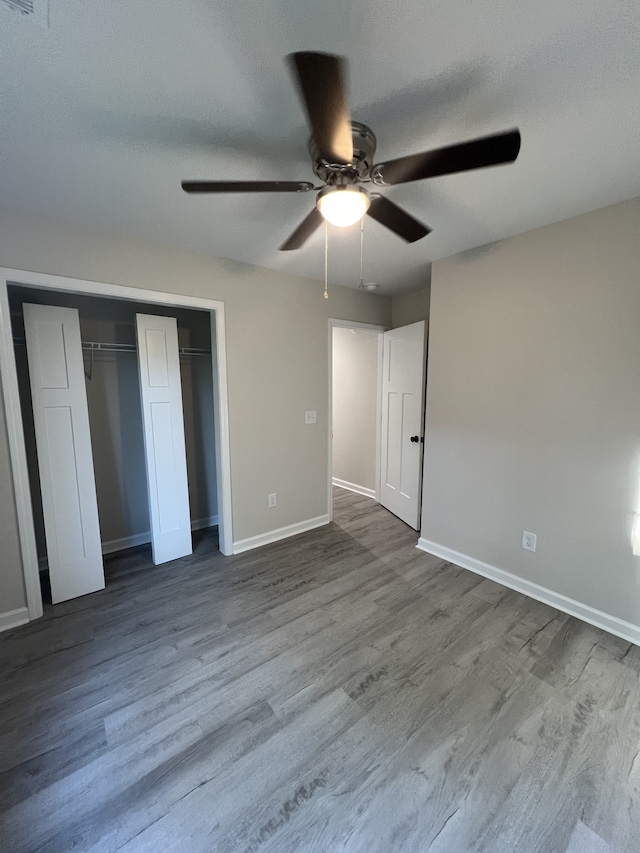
[17,450]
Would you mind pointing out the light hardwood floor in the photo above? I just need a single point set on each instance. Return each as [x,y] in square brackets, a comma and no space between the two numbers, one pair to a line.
[339,691]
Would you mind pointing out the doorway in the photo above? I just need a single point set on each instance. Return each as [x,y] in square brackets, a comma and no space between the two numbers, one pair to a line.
[211,397]
[355,393]
[377,381]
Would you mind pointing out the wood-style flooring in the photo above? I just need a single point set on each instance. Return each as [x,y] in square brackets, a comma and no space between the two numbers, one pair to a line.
[337,691]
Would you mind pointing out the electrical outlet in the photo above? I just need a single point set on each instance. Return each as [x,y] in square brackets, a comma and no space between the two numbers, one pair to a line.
[271,500]
[529,541]
[310,417]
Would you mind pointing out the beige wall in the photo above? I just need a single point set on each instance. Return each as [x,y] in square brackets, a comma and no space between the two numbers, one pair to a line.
[277,352]
[408,308]
[12,595]
[355,405]
[533,406]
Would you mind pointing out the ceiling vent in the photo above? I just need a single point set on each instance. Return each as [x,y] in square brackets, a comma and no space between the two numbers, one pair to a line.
[36,11]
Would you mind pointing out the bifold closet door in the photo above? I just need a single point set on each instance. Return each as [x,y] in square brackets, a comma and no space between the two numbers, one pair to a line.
[163,427]
[63,442]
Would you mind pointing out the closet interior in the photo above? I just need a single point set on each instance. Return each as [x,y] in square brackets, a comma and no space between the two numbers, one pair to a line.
[108,333]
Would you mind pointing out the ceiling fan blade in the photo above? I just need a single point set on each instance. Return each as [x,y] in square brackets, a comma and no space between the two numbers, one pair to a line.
[396,219]
[321,82]
[487,151]
[303,231]
[246,186]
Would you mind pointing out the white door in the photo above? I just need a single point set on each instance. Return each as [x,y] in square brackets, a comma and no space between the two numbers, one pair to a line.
[63,442]
[403,389]
[163,425]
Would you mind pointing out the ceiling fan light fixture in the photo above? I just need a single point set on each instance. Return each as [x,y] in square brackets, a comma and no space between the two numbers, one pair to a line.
[343,205]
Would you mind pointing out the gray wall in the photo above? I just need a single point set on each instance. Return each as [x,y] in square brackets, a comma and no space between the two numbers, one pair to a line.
[12,595]
[533,406]
[277,353]
[355,401]
[408,308]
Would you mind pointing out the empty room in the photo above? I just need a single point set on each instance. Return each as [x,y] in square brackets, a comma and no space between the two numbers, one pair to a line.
[319,427]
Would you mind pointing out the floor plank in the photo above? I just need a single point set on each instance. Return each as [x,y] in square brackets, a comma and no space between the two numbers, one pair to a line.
[339,690]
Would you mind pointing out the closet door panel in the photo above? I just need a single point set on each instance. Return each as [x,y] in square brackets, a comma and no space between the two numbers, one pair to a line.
[163,426]
[63,443]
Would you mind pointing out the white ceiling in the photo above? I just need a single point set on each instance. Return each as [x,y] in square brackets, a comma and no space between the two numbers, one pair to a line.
[106,111]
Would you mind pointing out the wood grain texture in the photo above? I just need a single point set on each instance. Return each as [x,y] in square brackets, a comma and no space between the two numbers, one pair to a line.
[337,691]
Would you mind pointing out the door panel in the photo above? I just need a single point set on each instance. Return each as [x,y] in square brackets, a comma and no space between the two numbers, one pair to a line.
[403,387]
[163,425]
[65,459]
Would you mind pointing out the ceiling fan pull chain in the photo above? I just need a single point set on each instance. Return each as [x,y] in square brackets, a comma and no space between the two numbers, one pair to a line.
[326,256]
[361,285]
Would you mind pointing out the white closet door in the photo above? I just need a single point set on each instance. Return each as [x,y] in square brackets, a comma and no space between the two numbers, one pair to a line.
[63,442]
[163,425]
[403,388]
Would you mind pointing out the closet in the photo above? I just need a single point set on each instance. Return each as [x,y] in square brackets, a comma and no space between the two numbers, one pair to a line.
[108,333]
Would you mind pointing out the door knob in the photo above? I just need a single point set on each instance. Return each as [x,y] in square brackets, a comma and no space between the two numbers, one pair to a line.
[415,438]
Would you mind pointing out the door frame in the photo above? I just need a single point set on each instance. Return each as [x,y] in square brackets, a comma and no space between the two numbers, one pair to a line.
[17,450]
[366,327]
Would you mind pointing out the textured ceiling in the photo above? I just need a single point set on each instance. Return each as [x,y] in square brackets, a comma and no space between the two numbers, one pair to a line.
[106,111]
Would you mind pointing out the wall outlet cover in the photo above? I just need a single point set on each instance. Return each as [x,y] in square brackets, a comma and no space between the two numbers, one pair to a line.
[310,417]
[529,541]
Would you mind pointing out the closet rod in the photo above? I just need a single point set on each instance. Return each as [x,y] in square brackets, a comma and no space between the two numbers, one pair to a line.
[97,346]
[108,347]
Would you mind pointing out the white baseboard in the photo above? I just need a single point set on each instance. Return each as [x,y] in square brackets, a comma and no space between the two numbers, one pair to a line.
[113,545]
[13,618]
[201,523]
[612,624]
[353,487]
[281,533]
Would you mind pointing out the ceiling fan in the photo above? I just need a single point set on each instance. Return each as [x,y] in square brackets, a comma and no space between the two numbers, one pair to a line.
[342,153]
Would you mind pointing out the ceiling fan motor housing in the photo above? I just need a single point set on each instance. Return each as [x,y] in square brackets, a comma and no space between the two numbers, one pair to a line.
[364,149]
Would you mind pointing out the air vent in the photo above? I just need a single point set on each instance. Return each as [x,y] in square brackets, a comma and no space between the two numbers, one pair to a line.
[36,11]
